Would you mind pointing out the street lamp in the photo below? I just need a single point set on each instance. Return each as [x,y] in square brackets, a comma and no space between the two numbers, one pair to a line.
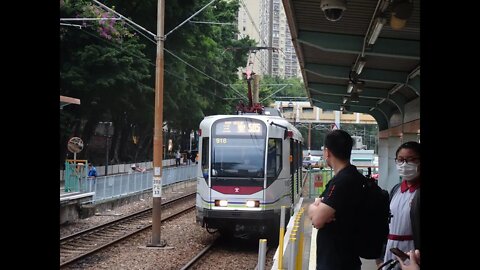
[107,130]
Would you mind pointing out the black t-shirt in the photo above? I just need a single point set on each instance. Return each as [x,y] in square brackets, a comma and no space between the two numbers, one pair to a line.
[335,246]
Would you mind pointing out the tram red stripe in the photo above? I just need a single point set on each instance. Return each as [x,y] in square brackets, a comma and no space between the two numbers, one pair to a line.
[240,190]
[400,237]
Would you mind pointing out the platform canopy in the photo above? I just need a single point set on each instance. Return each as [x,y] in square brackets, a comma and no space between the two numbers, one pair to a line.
[368,61]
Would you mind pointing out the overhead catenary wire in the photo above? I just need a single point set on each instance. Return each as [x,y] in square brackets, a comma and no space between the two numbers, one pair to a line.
[253,22]
[143,29]
[185,62]
[281,88]
[188,19]
[215,80]
[119,47]
[134,26]
[183,79]
[260,61]
[220,23]
[89,19]
[141,33]
[137,27]
[263,42]
[148,61]
[124,18]
[73,25]
[256,56]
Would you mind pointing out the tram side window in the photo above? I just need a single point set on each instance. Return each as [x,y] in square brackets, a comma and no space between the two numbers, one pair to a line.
[295,156]
[274,159]
[300,154]
[205,142]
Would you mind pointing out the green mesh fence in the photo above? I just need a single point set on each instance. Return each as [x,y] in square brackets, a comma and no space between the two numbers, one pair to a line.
[76,172]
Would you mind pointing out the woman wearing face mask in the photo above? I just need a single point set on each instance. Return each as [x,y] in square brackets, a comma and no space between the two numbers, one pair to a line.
[404,231]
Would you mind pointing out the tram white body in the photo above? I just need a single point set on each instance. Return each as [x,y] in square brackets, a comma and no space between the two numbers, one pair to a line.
[249,166]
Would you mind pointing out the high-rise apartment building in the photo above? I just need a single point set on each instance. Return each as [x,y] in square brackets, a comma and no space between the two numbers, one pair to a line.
[254,20]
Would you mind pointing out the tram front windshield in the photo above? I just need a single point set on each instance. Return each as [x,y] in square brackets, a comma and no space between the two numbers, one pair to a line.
[238,148]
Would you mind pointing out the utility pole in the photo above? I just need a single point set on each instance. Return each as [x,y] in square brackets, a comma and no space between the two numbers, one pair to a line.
[309,136]
[270,39]
[158,132]
[106,149]
[256,86]
[107,126]
[364,134]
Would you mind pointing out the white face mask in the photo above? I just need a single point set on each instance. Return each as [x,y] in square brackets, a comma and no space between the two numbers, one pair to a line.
[407,171]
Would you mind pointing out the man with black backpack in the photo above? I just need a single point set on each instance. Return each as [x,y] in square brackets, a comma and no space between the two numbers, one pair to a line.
[336,214]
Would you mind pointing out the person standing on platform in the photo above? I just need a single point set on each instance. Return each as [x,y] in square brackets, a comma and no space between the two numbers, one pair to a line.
[336,212]
[92,171]
[92,176]
[177,158]
[404,232]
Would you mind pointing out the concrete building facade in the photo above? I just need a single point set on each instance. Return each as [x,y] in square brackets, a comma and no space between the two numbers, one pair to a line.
[254,21]
[302,111]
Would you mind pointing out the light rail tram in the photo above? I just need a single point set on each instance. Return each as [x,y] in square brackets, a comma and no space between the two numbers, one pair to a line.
[249,166]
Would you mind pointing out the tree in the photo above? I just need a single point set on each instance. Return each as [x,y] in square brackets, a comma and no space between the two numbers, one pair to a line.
[292,87]
[104,66]
[110,67]
[269,85]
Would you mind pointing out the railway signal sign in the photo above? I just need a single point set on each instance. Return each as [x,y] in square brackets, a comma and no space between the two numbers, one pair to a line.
[75,145]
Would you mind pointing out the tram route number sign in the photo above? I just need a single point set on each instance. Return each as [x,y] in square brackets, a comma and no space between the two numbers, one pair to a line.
[75,145]
[238,128]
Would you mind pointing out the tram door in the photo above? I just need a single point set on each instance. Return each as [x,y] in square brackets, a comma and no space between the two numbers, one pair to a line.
[292,171]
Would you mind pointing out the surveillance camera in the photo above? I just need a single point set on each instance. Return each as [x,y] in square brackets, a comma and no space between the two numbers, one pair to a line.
[333,9]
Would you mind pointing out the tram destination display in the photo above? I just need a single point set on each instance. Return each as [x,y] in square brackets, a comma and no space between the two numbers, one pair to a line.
[238,127]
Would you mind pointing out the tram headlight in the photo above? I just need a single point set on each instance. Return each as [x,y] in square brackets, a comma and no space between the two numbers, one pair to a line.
[252,203]
[222,203]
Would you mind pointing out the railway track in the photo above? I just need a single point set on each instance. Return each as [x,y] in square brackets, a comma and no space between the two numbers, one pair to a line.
[226,249]
[89,241]
[199,255]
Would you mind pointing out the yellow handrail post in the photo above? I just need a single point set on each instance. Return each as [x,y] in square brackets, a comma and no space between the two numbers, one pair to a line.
[280,240]
[300,242]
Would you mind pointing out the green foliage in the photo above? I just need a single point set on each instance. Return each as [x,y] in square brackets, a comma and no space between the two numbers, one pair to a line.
[105,26]
[111,69]
[272,87]
[106,69]
[205,47]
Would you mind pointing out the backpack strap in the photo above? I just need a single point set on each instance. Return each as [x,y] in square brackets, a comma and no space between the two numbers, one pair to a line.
[394,190]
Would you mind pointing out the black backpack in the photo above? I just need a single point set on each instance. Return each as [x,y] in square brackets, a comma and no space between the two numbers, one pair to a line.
[374,217]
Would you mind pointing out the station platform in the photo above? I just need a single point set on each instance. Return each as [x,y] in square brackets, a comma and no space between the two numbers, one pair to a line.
[75,196]
[310,244]
[69,202]
[112,193]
